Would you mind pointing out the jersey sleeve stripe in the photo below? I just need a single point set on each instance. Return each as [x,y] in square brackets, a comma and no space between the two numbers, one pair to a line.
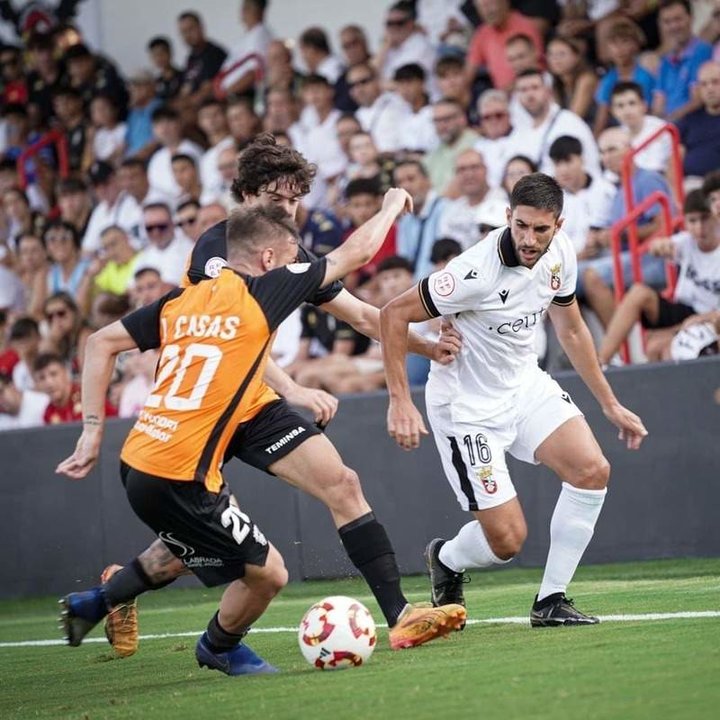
[426,299]
[209,451]
[564,300]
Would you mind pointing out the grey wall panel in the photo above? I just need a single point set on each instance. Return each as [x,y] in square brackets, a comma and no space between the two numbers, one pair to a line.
[58,534]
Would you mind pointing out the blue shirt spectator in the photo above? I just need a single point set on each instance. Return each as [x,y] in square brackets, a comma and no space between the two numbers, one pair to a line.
[639,75]
[143,103]
[416,234]
[644,183]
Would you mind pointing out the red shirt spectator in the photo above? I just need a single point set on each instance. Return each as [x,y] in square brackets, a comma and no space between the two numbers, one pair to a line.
[487,46]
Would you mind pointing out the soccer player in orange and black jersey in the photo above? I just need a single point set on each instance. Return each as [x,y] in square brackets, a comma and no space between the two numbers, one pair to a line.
[207,385]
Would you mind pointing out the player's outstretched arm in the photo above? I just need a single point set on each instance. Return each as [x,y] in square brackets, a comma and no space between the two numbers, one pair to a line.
[322,404]
[361,247]
[365,318]
[102,348]
[405,423]
[577,343]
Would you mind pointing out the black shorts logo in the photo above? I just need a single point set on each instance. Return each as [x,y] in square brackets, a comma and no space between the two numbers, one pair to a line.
[284,440]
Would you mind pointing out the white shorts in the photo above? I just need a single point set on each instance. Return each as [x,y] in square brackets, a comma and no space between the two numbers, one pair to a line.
[473,453]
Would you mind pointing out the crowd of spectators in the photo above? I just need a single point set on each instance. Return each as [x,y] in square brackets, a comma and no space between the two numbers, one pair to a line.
[454,101]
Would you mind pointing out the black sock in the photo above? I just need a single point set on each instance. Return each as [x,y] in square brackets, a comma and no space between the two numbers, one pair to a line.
[128,583]
[369,548]
[219,639]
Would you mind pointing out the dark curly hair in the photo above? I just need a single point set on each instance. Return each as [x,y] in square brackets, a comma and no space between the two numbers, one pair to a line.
[264,162]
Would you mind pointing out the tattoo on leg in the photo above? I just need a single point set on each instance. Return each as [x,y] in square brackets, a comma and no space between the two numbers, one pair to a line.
[160,564]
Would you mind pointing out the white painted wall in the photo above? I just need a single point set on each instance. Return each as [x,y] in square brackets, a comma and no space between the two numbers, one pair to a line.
[121,28]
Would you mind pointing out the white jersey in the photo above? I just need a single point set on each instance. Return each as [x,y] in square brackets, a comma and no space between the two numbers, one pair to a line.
[699,277]
[497,305]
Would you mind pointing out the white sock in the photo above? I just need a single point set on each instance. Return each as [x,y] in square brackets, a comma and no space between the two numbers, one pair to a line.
[571,529]
[468,549]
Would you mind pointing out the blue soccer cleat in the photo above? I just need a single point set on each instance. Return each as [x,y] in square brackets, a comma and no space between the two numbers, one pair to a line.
[241,660]
[81,612]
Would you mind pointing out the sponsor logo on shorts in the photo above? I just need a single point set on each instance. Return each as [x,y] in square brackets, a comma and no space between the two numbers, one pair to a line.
[285,439]
[176,547]
[555,276]
[444,284]
[484,475]
[214,265]
[200,561]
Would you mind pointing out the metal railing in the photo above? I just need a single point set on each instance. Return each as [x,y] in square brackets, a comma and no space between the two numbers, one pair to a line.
[53,137]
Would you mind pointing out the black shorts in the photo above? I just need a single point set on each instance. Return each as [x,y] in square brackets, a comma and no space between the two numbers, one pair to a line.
[669,314]
[207,531]
[272,434]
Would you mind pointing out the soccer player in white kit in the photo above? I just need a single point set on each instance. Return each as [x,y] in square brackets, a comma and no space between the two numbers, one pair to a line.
[495,399]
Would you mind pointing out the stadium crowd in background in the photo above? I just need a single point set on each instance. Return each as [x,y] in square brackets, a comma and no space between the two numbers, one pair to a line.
[453,101]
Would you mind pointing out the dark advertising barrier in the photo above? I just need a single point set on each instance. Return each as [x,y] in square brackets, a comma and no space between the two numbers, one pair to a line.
[57,535]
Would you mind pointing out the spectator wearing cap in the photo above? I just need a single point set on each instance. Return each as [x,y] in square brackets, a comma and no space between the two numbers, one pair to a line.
[168,79]
[91,74]
[317,56]
[203,61]
[354,44]
[139,140]
[380,114]
[108,133]
[416,231]
[495,132]
[320,143]
[459,218]
[167,130]
[75,203]
[20,408]
[404,42]
[68,107]
[675,94]
[247,60]
[167,250]
[115,207]
[454,137]
[586,199]
[700,130]
[113,268]
[420,131]
[212,121]
[487,46]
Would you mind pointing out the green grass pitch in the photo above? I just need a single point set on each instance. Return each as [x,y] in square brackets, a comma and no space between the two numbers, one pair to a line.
[623,670]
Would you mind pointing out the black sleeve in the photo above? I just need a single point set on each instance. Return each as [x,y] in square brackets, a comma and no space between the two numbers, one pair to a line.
[323,295]
[144,324]
[209,254]
[282,290]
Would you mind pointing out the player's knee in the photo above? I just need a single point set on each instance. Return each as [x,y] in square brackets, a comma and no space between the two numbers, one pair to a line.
[507,542]
[345,491]
[594,475]
[275,578]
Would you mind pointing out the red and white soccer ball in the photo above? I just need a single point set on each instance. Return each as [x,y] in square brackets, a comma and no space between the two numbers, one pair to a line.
[337,632]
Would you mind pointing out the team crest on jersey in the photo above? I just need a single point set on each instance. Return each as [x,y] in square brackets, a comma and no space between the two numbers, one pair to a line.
[555,277]
[444,284]
[214,265]
[484,475]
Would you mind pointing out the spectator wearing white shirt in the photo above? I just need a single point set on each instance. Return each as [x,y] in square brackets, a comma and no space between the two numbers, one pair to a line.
[212,121]
[460,218]
[404,42]
[317,56]
[246,62]
[550,121]
[629,108]
[227,167]
[586,199]
[20,408]
[521,54]
[115,207]
[133,179]
[167,130]
[24,338]
[281,114]
[168,251]
[441,19]
[495,128]
[420,132]
[108,134]
[187,176]
[380,114]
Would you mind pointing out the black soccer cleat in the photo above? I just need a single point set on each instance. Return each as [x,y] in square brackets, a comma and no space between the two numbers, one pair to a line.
[556,610]
[445,584]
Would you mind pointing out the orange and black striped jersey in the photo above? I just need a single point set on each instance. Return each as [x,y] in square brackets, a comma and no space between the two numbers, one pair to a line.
[215,339]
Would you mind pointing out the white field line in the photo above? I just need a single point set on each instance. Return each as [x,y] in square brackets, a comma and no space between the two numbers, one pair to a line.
[640,617]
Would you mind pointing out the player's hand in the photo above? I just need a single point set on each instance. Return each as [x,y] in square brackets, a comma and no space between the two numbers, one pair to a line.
[82,461]
[405,424]
[631,428]
[323,405]
[448,344]
[397,201]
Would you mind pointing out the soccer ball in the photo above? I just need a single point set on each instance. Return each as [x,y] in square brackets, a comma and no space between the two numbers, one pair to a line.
[336,633]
